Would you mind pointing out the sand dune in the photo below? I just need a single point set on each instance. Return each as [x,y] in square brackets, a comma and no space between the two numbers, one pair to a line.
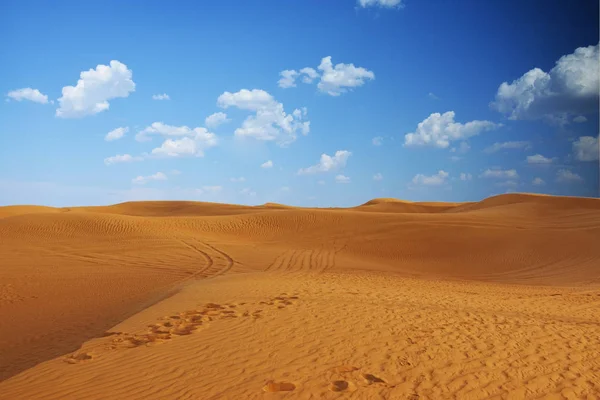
[389,299]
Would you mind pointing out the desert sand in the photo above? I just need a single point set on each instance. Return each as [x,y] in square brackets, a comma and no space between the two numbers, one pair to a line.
[494,299]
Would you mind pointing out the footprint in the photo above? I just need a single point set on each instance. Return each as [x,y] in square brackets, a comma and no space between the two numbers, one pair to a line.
[339,386]
[184,329]
[77,358]
[273,386]
[370,379]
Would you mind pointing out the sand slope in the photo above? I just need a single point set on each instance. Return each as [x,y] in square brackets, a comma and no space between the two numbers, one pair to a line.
[433,299]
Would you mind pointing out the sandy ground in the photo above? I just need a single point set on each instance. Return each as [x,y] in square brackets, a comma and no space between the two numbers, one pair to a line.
[389,300]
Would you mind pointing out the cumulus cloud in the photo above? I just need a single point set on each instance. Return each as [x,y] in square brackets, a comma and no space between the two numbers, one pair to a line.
[507,146]
[465,176]
[580,119]
[28,94]
[288,78]
[497,173]
[116,134]
[270,121]
[539,159]
[308,74]
[185,147]
[338,79]
[538,182]
[586,148]
[188,142]
[142,180]
[267,164]
[216,119]
[434,180]
[342,179]
[327,163]
[566,176]
[121,158]
[334,79]
[378,177]
[571,87]
[438,130]
[93,90]
[163,96]
[377,141]
[381,3]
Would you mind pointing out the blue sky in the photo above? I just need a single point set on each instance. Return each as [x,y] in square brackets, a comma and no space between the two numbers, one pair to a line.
[345,100]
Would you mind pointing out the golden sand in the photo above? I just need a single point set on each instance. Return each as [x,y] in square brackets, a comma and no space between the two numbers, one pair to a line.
[389,300]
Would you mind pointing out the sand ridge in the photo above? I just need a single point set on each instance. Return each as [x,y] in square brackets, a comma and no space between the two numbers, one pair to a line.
[326,283]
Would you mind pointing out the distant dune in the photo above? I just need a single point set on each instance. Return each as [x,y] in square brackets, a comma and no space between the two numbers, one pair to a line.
[68,275]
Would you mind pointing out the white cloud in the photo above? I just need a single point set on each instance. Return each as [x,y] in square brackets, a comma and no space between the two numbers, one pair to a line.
[465,177]
[328,163]
[378,177]
[586,148]
[216,119]
[438,130]
[539,159]
[433,96]
[270,122]
[580,119]
[179,148]
[342,179]
[288,78]
[267,164]
[142,180]
[159,128]
[309,74]
[116,134]
[337,79]
[190,142]
[433,180]
[121,159]
[507,146]
[500,174]
[93,90]
[28,94]
[571,87]
[377,141]
[538,182]
[381,3]
[566,176]
[334,80]
[240,179]
[163,96]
